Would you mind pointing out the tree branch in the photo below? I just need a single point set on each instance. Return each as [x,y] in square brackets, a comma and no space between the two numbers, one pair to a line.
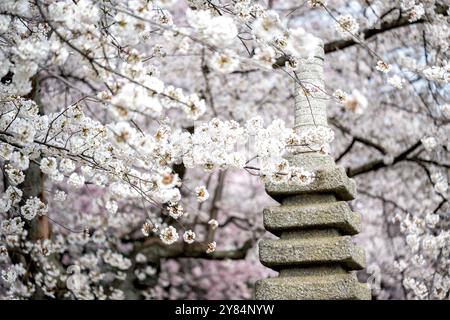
[402,21]
[155,248]
[216,199]
[378,164]
[366,34]
[355,139]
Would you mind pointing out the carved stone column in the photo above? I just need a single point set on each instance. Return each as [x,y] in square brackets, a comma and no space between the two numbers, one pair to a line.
[314,255]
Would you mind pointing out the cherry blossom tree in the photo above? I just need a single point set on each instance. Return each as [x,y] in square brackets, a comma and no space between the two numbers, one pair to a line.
[136,137]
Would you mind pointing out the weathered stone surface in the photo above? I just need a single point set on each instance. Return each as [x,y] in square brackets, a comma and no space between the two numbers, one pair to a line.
[327,287]
[333,181]
[325,215]
[310,111]
[311,161]
[312,251]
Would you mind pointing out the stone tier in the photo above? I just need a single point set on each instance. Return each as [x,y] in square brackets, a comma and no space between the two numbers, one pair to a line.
[336,215]
[334,181]
[343,286]
[277,254]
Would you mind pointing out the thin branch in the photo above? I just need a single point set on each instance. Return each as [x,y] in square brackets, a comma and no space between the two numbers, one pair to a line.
[216,199]
[380,163]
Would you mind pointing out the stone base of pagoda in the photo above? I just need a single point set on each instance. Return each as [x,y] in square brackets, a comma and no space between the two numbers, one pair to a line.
[315,254]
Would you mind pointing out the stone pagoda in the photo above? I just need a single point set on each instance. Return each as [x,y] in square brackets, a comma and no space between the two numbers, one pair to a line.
[314,255]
